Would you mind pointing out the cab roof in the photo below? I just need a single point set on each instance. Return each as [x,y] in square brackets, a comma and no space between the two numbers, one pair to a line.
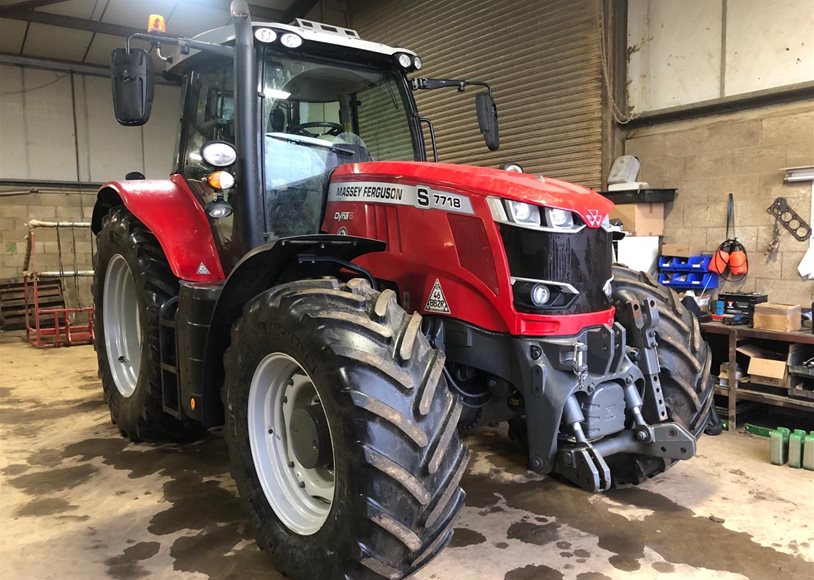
[307,29]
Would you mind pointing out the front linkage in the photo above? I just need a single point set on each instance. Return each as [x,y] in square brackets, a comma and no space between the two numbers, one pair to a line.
[594,403]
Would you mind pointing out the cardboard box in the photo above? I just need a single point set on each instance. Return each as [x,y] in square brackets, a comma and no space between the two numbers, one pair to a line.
[676,250]
[765,367]
[641,219]
[777,317]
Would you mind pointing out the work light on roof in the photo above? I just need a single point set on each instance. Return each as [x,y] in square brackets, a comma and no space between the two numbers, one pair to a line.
[265,35]
[404,60]
[417,63]
[291,40]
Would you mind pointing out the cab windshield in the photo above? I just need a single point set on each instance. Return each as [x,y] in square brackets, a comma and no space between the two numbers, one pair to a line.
[319,115]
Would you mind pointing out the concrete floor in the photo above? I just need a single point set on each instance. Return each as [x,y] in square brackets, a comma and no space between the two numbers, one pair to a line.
[77,501]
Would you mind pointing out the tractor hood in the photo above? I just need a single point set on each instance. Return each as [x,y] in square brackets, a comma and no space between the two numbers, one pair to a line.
[483,181]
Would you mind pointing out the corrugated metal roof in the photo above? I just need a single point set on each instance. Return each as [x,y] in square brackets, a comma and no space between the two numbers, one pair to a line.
[79,30]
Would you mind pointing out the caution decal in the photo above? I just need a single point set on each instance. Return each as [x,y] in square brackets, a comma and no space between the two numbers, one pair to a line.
[437,302]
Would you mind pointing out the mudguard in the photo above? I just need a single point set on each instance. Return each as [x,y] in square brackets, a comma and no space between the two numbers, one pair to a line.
[268,265]
[169,209]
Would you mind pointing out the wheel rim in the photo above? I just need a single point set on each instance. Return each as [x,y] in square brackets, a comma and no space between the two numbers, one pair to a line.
[300,496]
[122,327]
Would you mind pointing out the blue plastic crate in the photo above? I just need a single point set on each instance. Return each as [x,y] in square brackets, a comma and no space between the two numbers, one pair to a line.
[689,280]
[692,264]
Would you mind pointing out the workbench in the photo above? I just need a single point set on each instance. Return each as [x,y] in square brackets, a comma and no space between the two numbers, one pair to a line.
[732,390]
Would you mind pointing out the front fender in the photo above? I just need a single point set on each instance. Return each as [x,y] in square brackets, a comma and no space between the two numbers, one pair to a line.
[265,266]
[169,209]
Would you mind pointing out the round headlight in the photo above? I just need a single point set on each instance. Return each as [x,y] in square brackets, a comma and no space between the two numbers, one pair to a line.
[558,218]
[221,180]
[265,35]
[405,61]
[218,153]
[540,294]
[291,40]
[417,63]
[523,213]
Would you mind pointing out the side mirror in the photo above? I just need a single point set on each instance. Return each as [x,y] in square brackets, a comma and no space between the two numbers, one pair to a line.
[487,120]
[133,85]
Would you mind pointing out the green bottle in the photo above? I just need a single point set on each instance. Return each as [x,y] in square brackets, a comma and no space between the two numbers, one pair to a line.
[808,451]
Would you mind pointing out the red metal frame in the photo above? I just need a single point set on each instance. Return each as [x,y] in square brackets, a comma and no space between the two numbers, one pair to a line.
[421,247]
[64,331]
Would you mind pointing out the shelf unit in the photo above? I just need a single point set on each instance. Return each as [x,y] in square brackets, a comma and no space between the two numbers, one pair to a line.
[732,390]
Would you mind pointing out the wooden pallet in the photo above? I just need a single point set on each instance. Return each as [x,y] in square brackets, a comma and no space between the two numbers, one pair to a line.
[12,302]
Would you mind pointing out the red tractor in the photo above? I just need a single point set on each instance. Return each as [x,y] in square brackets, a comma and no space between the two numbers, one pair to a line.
[342,305]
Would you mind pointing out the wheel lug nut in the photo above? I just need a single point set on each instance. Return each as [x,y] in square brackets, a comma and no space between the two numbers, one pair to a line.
[291,464]
[271,431]
[302,484]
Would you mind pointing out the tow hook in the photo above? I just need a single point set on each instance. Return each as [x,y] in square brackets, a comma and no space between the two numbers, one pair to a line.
[585,464]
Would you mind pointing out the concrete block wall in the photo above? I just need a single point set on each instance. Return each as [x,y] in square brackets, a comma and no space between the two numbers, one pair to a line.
[17,208]
[743,153]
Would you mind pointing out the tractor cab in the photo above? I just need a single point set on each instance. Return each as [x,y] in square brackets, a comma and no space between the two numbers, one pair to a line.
[321,97]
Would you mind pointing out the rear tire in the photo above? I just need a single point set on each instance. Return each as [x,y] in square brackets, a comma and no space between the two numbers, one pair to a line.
[397,459]
[685,361]
[132,277]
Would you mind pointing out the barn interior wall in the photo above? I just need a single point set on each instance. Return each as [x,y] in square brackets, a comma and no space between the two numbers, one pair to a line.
[59,126]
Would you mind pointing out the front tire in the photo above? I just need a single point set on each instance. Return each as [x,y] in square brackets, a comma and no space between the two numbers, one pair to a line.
[132,280]
[395,463]
[685,360]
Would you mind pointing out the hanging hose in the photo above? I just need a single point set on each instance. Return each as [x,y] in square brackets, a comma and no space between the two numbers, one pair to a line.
[464,393]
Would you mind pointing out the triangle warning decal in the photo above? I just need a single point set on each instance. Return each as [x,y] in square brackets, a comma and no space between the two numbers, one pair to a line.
[437,302]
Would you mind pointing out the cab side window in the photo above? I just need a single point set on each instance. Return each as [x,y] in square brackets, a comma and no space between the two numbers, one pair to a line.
[213,116]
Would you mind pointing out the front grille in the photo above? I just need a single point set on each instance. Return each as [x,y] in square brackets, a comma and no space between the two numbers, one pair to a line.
[582,259]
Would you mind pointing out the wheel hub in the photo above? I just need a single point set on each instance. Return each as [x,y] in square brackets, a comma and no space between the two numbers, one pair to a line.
[291,443]
[121,325]
[310,438]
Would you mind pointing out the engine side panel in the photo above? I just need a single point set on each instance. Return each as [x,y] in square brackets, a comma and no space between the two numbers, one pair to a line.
[171,212]
[435,273]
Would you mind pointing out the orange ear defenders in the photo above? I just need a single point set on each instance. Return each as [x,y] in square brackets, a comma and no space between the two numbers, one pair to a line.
[731,255]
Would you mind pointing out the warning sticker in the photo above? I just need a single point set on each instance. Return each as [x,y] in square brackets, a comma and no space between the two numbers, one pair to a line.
[202,269]
[437,302]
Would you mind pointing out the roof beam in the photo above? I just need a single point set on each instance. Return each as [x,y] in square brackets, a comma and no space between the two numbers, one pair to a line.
[71,22]
[27,5]
[299,9]
[256,11]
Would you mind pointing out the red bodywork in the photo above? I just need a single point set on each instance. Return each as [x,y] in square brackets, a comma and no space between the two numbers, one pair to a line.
[173,214]
[463,251]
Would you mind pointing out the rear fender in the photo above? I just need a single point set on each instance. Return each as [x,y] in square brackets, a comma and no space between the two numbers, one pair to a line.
[169,209]
[264,267]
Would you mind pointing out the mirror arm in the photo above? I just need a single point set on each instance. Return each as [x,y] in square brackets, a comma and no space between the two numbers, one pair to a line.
[421,83]
[182,43]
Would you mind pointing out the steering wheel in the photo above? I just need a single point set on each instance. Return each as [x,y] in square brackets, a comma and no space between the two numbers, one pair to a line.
[333,129]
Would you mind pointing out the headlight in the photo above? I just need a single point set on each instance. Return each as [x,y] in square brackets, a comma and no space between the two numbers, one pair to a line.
[417,63]
[558,218]
[218,153]
[265,35]
[404,60]
[540,294]
[291,40]
[523,213]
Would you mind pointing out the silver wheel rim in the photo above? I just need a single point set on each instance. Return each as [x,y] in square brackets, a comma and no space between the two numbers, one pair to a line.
[122,327]
[300,497]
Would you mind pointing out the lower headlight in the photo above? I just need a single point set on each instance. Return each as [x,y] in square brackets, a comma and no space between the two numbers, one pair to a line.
[523,213]
[558,218]
[540,294]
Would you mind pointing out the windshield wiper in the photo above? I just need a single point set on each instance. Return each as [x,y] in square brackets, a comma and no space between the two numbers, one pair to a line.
[310,142]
